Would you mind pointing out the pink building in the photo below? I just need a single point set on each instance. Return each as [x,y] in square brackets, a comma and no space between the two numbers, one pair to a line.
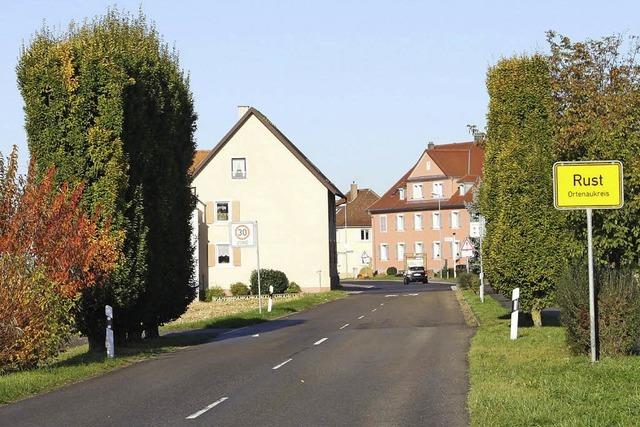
[424,214]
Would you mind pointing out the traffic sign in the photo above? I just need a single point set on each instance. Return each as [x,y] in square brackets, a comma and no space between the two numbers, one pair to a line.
[243,234]
[467,249]
[583,185]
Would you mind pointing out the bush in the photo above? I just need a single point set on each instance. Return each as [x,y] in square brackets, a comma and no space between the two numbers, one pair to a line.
[293,288]
[392,271]
[618,310]
[268,277]
[214,292]
[365,273]
[35,319]
[464,280]
[239,289]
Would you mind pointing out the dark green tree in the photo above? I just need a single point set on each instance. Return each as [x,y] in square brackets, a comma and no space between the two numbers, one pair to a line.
[596,90]
[107,104]
[525,241]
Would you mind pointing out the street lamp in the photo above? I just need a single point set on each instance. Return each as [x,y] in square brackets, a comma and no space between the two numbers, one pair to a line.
[438,196]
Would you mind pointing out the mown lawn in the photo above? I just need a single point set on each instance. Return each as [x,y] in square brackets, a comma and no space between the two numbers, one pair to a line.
[77,364]
[535,381]
[238,313]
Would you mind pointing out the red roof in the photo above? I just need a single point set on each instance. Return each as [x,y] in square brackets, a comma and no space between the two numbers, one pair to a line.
[463,160]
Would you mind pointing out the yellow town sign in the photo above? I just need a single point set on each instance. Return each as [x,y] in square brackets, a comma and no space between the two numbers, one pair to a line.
[584,185]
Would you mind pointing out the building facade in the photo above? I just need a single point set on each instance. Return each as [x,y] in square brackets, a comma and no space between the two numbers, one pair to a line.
[354,234]
[423,215]
[256,174]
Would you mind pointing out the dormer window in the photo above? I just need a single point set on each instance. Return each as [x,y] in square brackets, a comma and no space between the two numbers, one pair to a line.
[401,193]
[239,168]
[461,189]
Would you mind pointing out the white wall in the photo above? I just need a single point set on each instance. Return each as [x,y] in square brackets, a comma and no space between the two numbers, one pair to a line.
[289,203]
[350,250]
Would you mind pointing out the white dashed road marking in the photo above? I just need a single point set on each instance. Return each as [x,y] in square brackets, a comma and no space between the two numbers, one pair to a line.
[320,341]
[344,326]
[373,310]
[255,335]
[202,411]
[282,364]
[360,317]
[389,296]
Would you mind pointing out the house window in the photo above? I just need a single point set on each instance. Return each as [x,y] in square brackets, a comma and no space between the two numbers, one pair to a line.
[417,222]
[435,220]
[401,193]
[223,254]
[239,168]
[461,189]
[455,219]
[400,251]
[437,189]
[383,223]
[428,165]
[222,211]
[436,250]
[384,252]
[417,191]
[400,222]
[417,248]
[364,234]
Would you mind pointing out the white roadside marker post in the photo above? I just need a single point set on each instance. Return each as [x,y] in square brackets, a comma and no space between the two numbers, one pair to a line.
[482,225]
[108,311]
[270,298]
[515,309]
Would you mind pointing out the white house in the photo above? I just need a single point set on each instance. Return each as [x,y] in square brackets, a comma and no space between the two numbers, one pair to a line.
[256,174]
[354,234]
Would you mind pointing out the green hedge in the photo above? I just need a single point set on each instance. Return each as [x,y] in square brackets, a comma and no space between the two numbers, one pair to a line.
[268,277]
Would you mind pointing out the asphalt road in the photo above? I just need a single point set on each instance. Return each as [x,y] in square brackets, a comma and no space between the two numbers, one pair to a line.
[391,355]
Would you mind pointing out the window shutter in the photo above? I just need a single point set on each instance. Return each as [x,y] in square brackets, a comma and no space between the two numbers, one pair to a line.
[211,255]
[235,211]
[208,213]
[237,259]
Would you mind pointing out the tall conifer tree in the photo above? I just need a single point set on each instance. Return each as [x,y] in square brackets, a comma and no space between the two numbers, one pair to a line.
[108,105]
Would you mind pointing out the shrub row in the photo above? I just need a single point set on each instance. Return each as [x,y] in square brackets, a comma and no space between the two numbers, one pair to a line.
[618,297]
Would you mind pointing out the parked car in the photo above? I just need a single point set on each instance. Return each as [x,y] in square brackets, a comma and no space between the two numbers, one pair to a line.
[415,274]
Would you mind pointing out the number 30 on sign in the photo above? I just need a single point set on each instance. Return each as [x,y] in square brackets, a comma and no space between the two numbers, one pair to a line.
[242,234]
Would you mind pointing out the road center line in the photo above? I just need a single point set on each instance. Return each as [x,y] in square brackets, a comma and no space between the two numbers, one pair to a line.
[360,317]
[381,303]
[282,364]
[320,341]
[374,310]
[344,326]
[389,296]
[202,411]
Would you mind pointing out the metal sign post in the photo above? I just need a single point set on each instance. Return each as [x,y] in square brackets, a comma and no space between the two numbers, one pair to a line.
[244,235]
[589,185]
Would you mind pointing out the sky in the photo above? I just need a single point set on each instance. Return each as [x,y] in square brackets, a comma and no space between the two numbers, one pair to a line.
[360,87]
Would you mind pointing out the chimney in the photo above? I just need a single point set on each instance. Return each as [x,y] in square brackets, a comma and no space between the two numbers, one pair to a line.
[242,110]
[353,192]
[430,145]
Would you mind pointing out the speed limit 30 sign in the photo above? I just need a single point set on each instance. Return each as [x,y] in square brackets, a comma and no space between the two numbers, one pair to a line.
[243,234]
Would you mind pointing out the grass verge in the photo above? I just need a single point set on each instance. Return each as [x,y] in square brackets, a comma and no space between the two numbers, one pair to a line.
[77,364]
[536,381]
[252,316]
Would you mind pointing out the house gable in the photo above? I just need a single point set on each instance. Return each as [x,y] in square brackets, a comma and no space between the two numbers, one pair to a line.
[252,112]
